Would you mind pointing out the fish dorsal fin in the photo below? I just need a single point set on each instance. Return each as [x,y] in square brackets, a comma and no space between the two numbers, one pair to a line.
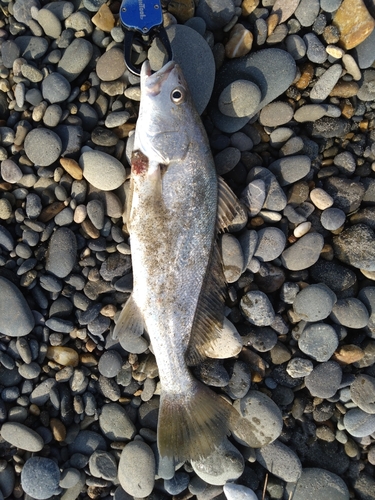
[130,321]
[228,206]
[209,314]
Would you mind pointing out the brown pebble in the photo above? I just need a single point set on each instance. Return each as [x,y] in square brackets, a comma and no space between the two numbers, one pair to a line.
[347,109]
[354,22]
[88,359]
[348,354]
[327,252]
[89,229]
[248,6]
[363,125]
[34,409]
[58,429]
[331,34]
[72,167]
[123,130]
[104,19]
[306,76]
[272,21]
[239,43]
[90,345]
[65,356]
[108,310]
[256,221]
[344,89]
[182,10]
[256,363]
[5,186]
[49,212]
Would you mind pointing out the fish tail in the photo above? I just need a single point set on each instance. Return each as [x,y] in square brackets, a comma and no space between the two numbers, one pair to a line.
[192,424]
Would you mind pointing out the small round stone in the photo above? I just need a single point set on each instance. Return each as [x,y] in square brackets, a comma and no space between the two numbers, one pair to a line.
[111,65]
[136,470]
[321,199]
[324,380]
[271,243]
[16,318]
[350,312]
[10,171]
[42,146]
[359,423]
[280,460]
[290,169]
[110,364]
[76,57]
[240,98]
[62,250]
[317,483]
[115,423]
[92,163]
[325,83]
[319,341]
[55,88]
[103,465]
[257,308]
[332,218]
[225,463]
[303,253]
[299,367]
[40,478]
[316,52]
[275,114]
[362,392]
[21,436]
[235,491]
[314,303]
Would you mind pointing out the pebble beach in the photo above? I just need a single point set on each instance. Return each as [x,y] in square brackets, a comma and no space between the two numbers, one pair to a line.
[286,92]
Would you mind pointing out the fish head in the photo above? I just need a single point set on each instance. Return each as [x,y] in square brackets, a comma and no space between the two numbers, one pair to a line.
[167,116]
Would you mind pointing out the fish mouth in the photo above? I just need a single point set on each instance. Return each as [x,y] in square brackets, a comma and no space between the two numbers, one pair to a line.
[152,82]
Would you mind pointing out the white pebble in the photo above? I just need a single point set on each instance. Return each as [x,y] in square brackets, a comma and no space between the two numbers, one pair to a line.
[321,198]
[302,229]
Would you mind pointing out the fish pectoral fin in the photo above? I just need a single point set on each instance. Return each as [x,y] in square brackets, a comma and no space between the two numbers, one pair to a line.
[228,206]
[192,425]
[209,315]
[130,321]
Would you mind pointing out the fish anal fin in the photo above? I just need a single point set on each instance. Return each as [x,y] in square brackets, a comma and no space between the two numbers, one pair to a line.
[130,321]
[191,425]
[209,314]
[228,206]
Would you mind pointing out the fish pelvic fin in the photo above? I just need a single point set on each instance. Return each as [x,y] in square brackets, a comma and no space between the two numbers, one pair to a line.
[130,321]
[228,206]
[209,315]
[193,424]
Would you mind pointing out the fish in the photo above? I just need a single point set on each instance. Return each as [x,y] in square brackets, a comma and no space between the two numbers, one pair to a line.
[175,208]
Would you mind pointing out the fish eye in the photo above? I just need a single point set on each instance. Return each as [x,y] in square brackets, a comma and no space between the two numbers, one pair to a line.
[178,95]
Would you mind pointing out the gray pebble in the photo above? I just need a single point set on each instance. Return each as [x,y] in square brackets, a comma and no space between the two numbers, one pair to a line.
[70,476]
[366,84]
[355,246]
[324,380]
[136,470]
[115,423]
[116,119]
[307,12]
[92,163]
[40,478]
[330,5]
[75,59]
[332,218]
[345,162]
[240,98]
[49,22]
[316,52]
[299,367]
[80,21]
[275,114]
[295,46]
[290,169]
[224,464]
[86,442]
[347,194]
[279,136]
[103,465]
[363,53]
[42,146]
[319,341]
[10,171]
[271,243]
[61,254]
[362,392]
[29,371]
[216,13]
[325,83]
[16,318]
[314,303]
[233,260]
[177,484]
[257,308]
[275,199]
[10,52]
[55,88]
[62,9]
[265,420]
[21,436]
[280,460]
[6,239]
[22,10]
[226,160]
[253,196]
[52,116]
[318,483]
[350,312]
[41,393]
[110,363]
[31,47]
[367,297]
[359,423]
[248,241]
[304,253]
[235,491]
[241,141]
[240,380]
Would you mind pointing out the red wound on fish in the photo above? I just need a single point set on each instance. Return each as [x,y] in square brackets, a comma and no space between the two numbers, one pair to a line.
[139,163]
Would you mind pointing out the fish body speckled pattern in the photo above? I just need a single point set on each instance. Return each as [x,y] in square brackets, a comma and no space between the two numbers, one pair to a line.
[179,289]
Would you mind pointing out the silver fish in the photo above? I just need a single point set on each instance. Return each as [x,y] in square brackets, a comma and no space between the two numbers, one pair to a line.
[175,209]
